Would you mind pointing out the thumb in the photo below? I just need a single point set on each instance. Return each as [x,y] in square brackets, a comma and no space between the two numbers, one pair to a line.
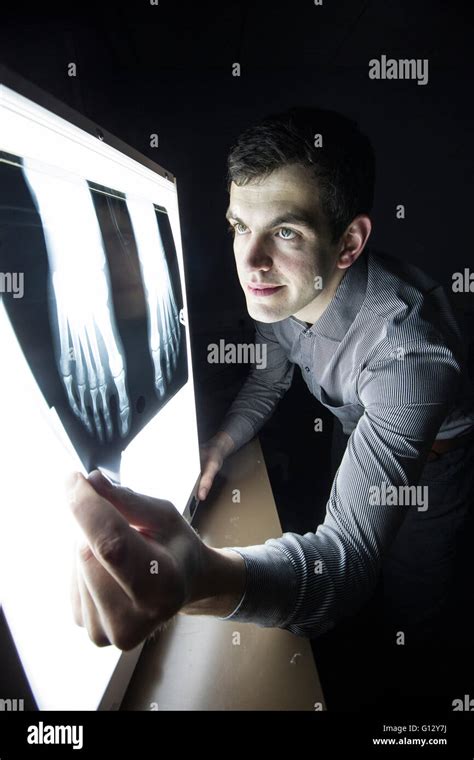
[138,509]
[207,478]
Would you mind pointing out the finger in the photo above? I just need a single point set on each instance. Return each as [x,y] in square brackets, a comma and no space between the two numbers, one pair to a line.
[202,490]
[120,549]
[208,476]
[138,509]
[123,625]
[75,595]
[90,614]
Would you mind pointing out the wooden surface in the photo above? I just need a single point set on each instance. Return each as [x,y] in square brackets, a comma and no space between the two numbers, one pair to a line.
[203,663]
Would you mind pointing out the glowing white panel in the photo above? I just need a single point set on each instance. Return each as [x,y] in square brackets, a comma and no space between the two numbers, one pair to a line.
[65,670]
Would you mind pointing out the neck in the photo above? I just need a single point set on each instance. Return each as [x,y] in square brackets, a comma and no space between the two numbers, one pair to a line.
[314,310]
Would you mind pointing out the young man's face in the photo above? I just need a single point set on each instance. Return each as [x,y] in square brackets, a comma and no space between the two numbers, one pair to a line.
[281,238]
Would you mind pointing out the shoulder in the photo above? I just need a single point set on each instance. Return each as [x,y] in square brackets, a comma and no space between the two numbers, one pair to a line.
[393,283]
[412,306]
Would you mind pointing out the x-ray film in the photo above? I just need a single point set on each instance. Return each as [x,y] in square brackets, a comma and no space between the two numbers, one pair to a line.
[100,314]
[95,369]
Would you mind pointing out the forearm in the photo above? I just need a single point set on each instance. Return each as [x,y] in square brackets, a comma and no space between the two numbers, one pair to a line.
[262,389]
[220,586]
[225,443]
[254,405]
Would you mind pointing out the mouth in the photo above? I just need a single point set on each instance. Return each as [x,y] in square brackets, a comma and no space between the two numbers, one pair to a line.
[263,290]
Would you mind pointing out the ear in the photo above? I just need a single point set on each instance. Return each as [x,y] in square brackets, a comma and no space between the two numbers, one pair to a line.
[353,240]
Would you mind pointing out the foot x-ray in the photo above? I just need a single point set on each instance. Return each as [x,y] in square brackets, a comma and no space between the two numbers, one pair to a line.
[100,321]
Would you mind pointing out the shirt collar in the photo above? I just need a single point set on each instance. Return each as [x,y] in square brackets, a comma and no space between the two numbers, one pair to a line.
[344,306]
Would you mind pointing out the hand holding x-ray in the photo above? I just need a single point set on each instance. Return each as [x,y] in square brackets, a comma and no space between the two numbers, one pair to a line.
[128,581]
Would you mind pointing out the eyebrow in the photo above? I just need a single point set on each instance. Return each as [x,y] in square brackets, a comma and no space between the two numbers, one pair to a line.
[290,217]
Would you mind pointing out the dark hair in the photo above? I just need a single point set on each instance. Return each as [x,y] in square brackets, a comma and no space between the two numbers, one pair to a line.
[344,166]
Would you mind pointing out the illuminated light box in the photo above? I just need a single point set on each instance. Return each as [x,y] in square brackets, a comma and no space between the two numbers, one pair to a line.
[95,369]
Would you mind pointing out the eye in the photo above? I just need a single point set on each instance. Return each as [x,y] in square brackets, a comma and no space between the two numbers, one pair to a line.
[285,230]
[238,228]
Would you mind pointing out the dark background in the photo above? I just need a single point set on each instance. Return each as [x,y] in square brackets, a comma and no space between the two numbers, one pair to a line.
[167,69]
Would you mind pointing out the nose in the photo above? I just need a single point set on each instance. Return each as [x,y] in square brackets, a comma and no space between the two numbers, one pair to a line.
[255,256]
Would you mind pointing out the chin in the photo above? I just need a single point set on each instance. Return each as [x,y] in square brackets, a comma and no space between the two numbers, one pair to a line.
[266,314]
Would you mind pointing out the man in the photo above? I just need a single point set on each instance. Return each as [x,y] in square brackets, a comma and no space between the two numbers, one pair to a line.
[378,345]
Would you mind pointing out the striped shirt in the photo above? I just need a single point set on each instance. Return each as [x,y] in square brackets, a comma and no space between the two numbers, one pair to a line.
[387,358]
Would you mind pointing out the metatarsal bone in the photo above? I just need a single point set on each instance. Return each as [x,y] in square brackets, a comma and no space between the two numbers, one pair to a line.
[162,310]
[81,285]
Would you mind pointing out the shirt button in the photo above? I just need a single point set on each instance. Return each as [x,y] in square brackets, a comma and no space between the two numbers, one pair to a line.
[307,369]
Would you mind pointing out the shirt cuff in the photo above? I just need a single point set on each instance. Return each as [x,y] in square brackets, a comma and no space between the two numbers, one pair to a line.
[270,590]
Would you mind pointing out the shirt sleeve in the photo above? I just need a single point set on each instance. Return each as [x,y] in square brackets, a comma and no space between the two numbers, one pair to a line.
[306,583]
[267,381]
